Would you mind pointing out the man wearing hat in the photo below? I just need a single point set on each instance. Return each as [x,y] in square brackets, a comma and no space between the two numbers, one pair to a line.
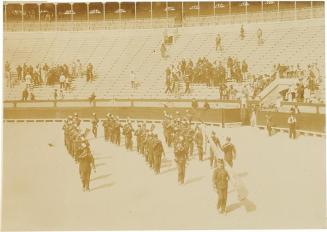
[77,121]
[128,133]
[180,158]
[138,134]
[214,144]
[199,142]
[229,151]
[95,122]
[105,125]
[292,126]
[158,151]
[220,183]
[86,163]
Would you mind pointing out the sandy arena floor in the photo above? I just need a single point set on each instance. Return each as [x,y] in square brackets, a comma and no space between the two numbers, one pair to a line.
[42,189]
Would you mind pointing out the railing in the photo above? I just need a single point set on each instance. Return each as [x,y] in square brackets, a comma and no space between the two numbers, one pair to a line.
[184,103]
[283,15]
[318,108]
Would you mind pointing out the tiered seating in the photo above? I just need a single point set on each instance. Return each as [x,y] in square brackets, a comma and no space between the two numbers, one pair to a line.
[115,53]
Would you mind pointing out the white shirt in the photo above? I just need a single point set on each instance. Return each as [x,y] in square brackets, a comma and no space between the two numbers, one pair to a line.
[62,78]
[28,79]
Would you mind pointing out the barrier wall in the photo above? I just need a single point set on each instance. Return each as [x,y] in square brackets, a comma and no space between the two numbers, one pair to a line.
[150,113]
[305,121]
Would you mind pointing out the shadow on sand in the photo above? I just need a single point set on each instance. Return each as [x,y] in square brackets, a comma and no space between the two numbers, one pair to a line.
[100,177]
[100,164]
[193,180]
[169,170]
[103,186]
[249,206]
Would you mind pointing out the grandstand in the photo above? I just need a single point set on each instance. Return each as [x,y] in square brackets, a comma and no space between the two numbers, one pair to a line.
[115,53]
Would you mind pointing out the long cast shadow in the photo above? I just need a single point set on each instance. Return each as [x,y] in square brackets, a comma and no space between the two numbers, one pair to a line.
[100,164]
[248,205]
[100,177]
[193,180]
[168,170]
[101,157]
[103,186]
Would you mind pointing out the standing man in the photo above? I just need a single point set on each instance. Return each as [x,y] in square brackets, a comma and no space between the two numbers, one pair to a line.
[269,124]
[138,134]
[242,34]
[95,122]
[220,183]
[215,142]
[133,80]
[158,151]
[229,151]
[180,158]
[86,163]
[218,43]
[292,126]
[199,142]
[128,132]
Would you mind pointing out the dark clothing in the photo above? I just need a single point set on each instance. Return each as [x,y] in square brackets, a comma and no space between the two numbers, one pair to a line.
[229,153]
[220,181]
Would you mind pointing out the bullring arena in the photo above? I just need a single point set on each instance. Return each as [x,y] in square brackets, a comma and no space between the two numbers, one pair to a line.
[133,61]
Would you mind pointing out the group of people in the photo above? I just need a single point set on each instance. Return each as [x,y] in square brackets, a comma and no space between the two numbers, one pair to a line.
[79,148]
[204,72]
[148,143]
[44,74]
[308,84]
[179,134]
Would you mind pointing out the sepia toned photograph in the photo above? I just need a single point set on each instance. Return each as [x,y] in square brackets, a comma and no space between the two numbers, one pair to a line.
[163,115]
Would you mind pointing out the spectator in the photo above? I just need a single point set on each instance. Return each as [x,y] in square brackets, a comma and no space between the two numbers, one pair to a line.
[62,80]
[55,95]
[206,105]
[218,43]
[244,70]
[132,79]
[194,104]
[28,80]
[25,94]
[242,35]
[92,98]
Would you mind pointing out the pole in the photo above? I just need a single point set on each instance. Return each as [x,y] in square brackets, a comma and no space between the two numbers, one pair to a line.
[22,16]
[198,9]
[56,16]
[119,13]
[135,12]
[5,6]
[230,11]
[88,15]
[262,10]
[182,14]
[151,15]
[295,14]
[71,11]
[311,5]
[39,8]
[214,8]
[246,11]
[104,14]
[167,13]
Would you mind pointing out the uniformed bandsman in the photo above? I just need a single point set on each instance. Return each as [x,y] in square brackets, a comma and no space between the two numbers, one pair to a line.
[220,183]
[95,122]
[180,158]
[86,163]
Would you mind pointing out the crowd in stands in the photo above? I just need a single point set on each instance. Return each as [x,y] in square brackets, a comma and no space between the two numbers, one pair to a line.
[45,75]
[309,83]
[224,74]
